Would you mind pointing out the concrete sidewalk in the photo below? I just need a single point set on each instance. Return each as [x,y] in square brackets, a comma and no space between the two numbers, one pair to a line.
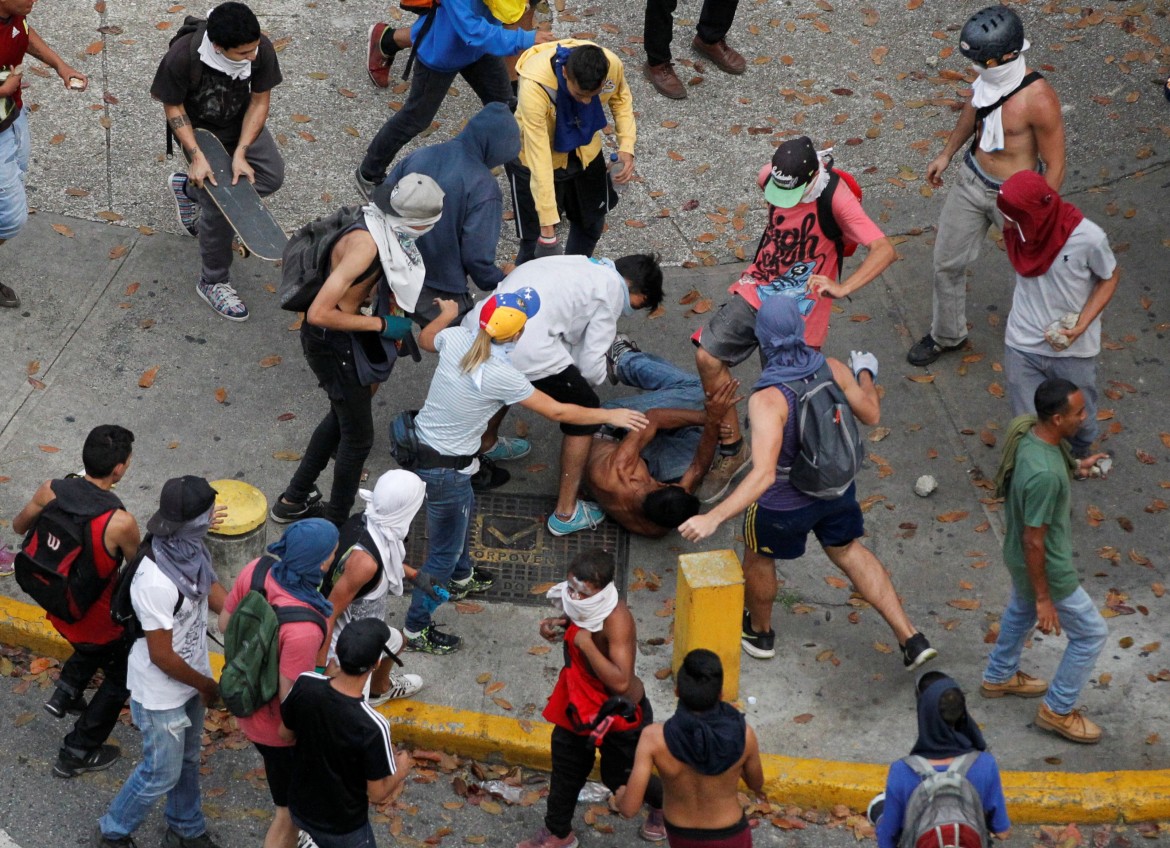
[104,303]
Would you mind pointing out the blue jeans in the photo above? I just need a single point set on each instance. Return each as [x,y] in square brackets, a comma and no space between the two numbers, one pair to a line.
[666,386]
[1025,372]
[170,766]
[450,505]
[13,170]
[1079,621]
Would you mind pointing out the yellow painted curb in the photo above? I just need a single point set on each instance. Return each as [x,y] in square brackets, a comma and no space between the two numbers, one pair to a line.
[1034,797]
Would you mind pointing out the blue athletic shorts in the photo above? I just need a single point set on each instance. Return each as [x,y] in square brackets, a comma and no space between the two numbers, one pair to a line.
[783,534]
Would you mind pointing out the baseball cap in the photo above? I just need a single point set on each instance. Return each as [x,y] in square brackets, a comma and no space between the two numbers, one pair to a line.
[362,643]
[182,499]
[504,315]
[415,196]
[794,165]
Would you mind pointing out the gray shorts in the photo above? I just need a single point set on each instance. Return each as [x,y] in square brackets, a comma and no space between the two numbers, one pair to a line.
[730,335]
[359,608]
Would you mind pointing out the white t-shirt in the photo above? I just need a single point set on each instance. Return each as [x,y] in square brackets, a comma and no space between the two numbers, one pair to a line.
[456,411]
[1084,261]
[154,596]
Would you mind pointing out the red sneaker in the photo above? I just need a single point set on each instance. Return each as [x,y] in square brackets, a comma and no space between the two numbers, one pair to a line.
[377,62]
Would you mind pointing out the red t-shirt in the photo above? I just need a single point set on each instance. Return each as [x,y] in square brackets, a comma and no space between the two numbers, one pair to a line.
[794,248]
[299,643]
[13,46]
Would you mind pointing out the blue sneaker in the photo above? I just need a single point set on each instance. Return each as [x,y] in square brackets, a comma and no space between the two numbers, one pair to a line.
[587,515]
[186,208]
[223,299]
[508,448]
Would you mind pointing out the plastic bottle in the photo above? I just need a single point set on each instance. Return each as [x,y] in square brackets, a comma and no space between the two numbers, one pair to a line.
[614,167]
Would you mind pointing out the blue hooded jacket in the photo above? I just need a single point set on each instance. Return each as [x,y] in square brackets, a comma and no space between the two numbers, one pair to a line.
[463,242]
[464,32]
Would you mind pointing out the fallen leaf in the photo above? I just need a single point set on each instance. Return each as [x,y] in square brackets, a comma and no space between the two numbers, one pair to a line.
[287,455]
[539,650]
[220,395]
[483,678]
[995,390]
[878,434]
[269,361]
[301,119]
[836,582]
[949,517]
[498,686]
[21,719]
[803,718]
[965,603]
[39,665]
[663,673]
[63,230]
[690,297]
[1145,458]
[147,378]
[920,378]
[702,306]
[285,416]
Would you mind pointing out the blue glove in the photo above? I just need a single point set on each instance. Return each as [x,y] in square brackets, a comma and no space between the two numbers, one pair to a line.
[395,327]
[548,247]
[861,360]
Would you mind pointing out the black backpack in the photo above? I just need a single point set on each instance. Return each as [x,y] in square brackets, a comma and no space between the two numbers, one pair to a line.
[121,607]
[305,262]
[353,532]
[194,27]
[55,566]
[830,453]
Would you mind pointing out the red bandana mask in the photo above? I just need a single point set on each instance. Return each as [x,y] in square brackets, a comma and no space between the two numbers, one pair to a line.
[1038,222]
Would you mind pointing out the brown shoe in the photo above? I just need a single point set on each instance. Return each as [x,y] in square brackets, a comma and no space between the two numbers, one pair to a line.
[665,80]
[1019,684]
[725,471]
[1074,726]
[725,58]
[8,298]
[377,62]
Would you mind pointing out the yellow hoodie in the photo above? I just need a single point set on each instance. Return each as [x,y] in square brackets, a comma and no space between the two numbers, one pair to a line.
[536,113]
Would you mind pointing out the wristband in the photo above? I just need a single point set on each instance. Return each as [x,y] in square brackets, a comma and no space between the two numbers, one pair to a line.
[319,669]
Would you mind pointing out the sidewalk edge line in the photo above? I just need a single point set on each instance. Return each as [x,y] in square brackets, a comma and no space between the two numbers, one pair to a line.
[1033,797]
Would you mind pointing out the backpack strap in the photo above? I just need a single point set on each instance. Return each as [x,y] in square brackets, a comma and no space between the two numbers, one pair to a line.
[826,219]
[919,766]
[260,574]
[293,615]
[427,23]
[962,764]
[983,111]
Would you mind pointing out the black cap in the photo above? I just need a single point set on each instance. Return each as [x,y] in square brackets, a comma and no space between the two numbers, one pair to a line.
[182,499]
[794,164]
[362,643]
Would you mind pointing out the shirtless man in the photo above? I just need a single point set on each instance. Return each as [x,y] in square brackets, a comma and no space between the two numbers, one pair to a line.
[600,641]
[1023,133]
[646,480]
[700,785]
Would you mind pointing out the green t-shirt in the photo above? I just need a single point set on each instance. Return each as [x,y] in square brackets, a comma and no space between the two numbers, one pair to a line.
[1039,496]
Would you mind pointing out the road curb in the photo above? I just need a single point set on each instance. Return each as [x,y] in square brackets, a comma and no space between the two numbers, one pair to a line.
[1033,797]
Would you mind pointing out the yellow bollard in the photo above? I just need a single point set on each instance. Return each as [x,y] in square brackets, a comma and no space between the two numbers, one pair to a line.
[708,611]
[243,534]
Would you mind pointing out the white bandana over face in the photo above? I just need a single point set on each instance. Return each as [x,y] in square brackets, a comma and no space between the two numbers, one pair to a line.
[402,264]
[390,508]
[994,83]
[587,613]
[237,69]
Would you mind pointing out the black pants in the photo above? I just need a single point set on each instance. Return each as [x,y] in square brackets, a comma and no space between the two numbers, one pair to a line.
[714,22]
[572,760]
[586,197]
[428,87]
[346,431]
[95,723]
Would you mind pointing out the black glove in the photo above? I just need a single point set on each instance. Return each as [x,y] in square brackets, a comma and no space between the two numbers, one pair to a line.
[427,585]
[619,706]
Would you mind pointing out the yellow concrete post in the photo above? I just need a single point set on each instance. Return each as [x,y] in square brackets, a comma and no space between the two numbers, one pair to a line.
[708,611]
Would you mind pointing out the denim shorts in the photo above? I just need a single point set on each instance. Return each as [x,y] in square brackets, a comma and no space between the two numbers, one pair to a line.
[783,534]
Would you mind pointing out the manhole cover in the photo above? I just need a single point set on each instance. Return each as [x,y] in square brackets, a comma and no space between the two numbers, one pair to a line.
[509,536]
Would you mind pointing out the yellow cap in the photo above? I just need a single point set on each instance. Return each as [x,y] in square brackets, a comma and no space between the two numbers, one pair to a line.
[247,508]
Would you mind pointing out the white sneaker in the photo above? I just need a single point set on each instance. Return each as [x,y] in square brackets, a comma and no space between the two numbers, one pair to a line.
[401,686]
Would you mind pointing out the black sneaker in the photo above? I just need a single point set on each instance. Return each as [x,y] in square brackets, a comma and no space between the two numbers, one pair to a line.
[917,652]
[173,840]
[98,759]
[8,298]
[432,640]
[100,840]
[622,344]
[490,476]
[60,703]
[926,350]
[762,646]
[480,581]
[283,512]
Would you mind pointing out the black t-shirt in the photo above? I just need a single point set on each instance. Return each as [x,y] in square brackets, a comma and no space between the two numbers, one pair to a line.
[219,102]
[342,742]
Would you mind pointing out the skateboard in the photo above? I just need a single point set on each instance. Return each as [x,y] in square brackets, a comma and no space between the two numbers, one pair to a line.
[256,229]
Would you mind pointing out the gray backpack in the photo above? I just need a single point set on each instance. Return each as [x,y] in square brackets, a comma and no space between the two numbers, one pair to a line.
[830,453]
[945,810]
